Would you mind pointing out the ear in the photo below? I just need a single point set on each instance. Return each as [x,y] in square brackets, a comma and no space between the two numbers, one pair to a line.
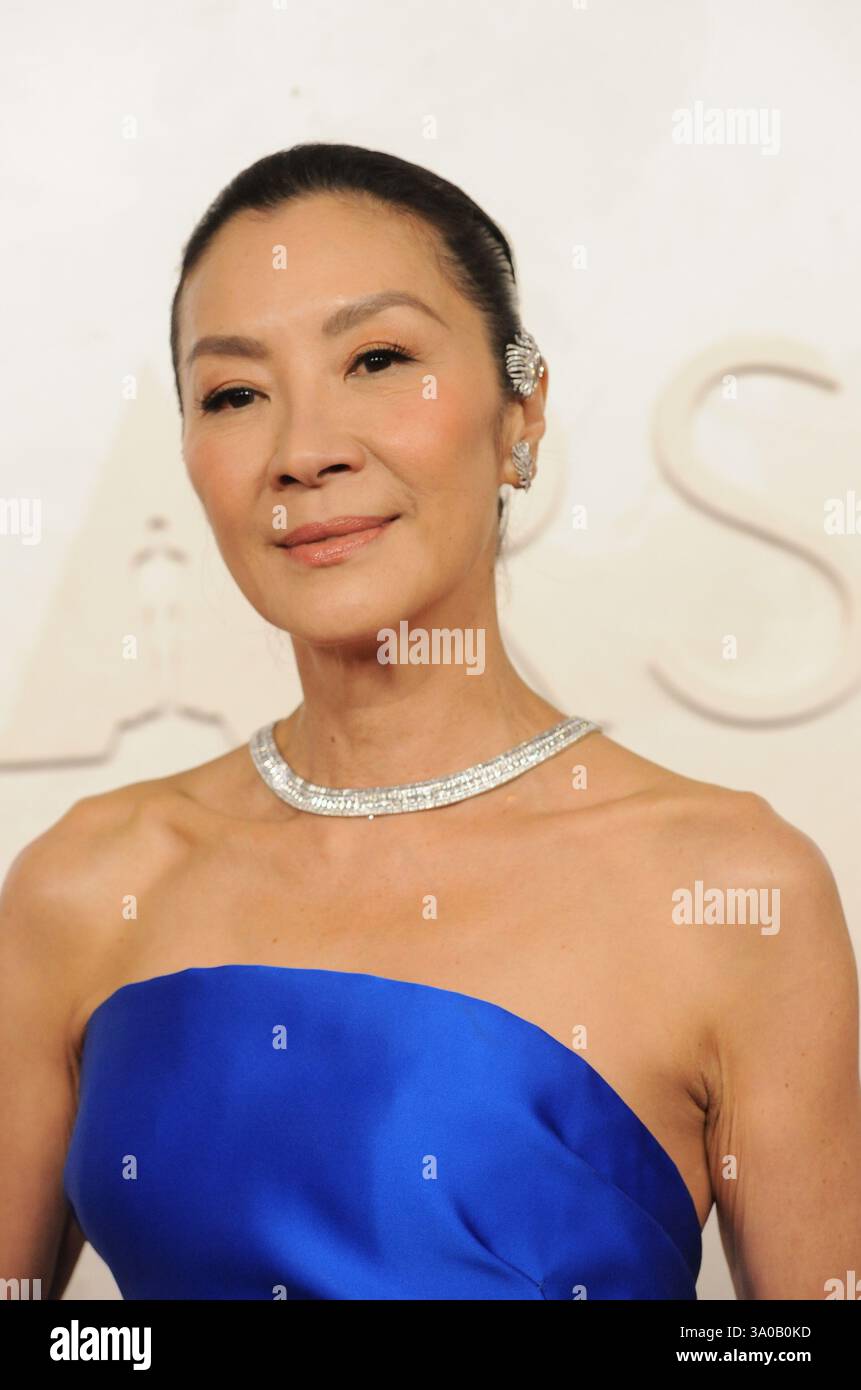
[524,421]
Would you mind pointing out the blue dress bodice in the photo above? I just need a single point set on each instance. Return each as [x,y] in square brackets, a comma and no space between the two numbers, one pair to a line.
[265,1132]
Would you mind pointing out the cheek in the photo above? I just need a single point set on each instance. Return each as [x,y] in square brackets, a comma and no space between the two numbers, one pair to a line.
[439,446]
[216,479]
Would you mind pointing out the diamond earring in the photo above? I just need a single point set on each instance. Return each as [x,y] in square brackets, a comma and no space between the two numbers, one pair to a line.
[522,455]
[524,362]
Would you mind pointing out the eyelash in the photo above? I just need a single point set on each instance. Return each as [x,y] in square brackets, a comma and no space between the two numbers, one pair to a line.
[214,402]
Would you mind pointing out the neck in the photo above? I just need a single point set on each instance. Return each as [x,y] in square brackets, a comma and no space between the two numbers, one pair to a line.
[362,723]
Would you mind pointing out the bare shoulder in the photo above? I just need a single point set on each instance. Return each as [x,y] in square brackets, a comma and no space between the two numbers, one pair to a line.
[63,897]
[732,838]
[708,825]
[746,923]
[753,877]
[64,889]
[742,905]
[68,859]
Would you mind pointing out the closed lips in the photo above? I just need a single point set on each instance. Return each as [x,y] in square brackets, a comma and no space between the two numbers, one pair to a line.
[337,526]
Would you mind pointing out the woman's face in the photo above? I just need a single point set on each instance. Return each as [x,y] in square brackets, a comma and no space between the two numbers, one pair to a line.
[323,419]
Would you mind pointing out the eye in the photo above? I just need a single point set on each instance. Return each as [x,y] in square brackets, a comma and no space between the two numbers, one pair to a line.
[216,401]
[381,357]
[378,359]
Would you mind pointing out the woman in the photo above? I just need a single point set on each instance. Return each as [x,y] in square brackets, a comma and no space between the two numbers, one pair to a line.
[448,1042]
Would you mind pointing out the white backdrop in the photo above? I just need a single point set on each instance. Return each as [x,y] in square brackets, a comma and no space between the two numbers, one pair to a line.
[697,303]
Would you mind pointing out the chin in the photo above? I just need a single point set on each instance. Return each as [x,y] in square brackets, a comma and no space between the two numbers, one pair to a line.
[347,618]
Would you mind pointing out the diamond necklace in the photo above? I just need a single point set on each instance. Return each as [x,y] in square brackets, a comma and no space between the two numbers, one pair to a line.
[407,796]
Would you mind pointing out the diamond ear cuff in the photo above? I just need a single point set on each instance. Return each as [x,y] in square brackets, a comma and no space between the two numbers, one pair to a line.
[525,367]
[524,362]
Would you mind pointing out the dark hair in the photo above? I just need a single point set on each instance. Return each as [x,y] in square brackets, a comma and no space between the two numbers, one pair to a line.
[473,250]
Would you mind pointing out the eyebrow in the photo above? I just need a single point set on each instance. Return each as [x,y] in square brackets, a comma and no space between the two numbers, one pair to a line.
[348,316]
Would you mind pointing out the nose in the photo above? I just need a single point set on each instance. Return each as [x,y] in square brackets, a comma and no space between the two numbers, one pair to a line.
[312,448]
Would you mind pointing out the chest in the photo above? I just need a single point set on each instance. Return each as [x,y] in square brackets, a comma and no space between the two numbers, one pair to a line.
[546,925]
[323,1134]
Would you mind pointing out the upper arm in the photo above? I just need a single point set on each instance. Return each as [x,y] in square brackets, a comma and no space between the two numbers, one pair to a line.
[784,1126]
[39,975]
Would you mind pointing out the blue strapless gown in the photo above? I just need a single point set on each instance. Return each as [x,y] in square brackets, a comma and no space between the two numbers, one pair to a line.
[265,1131]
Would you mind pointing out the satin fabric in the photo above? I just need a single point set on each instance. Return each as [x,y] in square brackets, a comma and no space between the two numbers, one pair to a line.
[265,1132]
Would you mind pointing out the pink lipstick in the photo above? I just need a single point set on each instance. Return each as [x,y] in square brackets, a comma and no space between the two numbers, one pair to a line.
[328,542]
